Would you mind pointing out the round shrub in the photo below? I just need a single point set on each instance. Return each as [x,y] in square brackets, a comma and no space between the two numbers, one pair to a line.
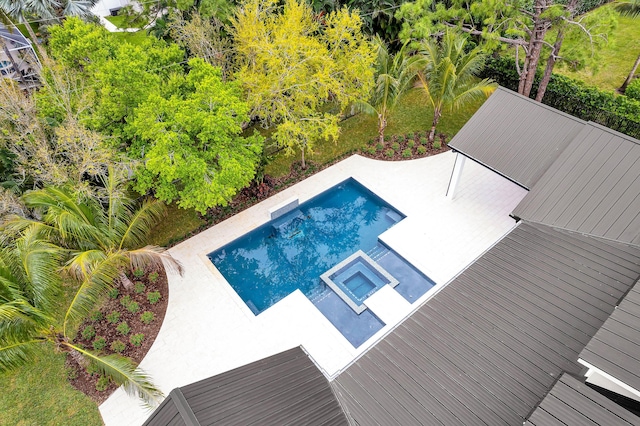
[102,383]
[395,146]
[136,339]
[437,144]
[389,153]
[153,297]
[133,307]
[411,143]
[118,346]
[379,146]
[410,135]
[95,316]
[423,141]
[147,317]
[422,150]
[113,293]
[139,287]
[113,317]
[99,343]
[153,277]
[406,153]
[89,332]
[138,273]
[123,328]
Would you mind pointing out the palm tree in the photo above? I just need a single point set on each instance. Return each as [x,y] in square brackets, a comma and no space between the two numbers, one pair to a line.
[449,75]
[632,9]
[394,74]
[104,236]
[30,300]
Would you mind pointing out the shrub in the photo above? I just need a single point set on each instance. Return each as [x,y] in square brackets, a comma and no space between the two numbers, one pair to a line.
[423,141]
[395,146]
[72,373]
[133,307]
[136,339]
[153,297]
[92,369]
[422,150]
[370,150]
[379,146]
[406,153]
[123,328]
[153,277]
[410,135]
[114,293]
[139,287]
[400,138]
[389,153]
[633,89]
[437,144]
[89,332]
[147,317]
[118,346]
[125,300]
[99,343]
[102,383]
[411,143]
[113,317]
[138,273]
[95,316]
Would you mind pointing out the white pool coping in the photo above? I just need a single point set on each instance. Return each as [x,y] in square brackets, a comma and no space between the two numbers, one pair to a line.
[209,330]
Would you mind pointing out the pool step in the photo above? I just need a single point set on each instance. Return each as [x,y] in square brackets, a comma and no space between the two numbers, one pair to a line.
[377,252]
[284,224]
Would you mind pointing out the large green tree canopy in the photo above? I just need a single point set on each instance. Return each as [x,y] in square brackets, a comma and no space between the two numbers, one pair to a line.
[190,141]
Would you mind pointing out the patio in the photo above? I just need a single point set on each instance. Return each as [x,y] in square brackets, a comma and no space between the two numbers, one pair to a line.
[208,329]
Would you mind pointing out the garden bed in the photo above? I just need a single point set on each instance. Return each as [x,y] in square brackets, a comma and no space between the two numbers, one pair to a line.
[405,147]
[131,317]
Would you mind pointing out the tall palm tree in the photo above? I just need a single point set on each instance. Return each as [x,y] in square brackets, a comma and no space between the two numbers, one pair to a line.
[31,299]
[632,9]
[394,74]
[449,77]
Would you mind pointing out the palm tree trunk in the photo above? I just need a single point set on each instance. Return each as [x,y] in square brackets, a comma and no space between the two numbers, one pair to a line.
[436,117]
[304,165]
[382,125]
[623,88]
[125,281]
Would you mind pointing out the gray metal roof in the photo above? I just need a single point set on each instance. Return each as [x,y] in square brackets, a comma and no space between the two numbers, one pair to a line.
[571,402]
[615,349]
[14,35]
[516,136]
[593,187]
[283,389]
[487,348]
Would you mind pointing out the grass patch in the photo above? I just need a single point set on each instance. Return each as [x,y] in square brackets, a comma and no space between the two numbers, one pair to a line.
[42,396]
[178,223]
[616,59]
[136,38]
[411,115]
[123,21]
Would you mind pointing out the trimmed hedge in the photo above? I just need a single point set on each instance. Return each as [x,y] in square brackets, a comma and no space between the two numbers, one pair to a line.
[633,89]
[589,103]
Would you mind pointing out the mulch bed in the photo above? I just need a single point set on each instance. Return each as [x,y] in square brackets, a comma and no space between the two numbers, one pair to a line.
[85,381]
[405,147]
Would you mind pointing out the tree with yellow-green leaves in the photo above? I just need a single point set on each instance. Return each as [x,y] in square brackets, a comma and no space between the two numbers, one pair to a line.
[292,64]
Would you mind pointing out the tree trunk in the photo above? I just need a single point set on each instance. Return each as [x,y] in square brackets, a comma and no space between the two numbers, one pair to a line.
[623,88]
[551,62]
[304,165]
[540,27]
[125,281]
[382,125]
[434,123]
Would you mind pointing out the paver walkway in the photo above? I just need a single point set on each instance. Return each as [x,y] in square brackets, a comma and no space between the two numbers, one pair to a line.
[208,329]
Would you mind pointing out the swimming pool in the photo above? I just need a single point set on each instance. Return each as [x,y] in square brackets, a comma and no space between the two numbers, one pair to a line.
[294,250]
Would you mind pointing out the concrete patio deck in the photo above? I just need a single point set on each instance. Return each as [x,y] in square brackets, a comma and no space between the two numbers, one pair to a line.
[208,329]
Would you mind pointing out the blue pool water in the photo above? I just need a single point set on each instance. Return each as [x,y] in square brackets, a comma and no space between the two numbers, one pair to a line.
[292,251]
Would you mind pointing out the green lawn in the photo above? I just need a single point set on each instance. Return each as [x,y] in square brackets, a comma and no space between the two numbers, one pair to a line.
[616,60]
[178,223]
[39,394]
[411,114]
[122,21]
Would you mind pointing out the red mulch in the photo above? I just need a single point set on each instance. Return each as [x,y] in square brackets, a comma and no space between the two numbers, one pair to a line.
[86,382]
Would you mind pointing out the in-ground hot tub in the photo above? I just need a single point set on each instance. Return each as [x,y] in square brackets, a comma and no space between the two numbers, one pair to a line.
[356,278]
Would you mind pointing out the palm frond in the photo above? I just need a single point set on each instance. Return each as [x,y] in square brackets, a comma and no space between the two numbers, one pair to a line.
[139,224]
[362,106]
[15,353]
[629,8]
[124,373]
[96,271]
[154,256]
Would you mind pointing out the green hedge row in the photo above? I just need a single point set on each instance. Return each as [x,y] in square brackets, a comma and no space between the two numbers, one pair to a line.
[589,103]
